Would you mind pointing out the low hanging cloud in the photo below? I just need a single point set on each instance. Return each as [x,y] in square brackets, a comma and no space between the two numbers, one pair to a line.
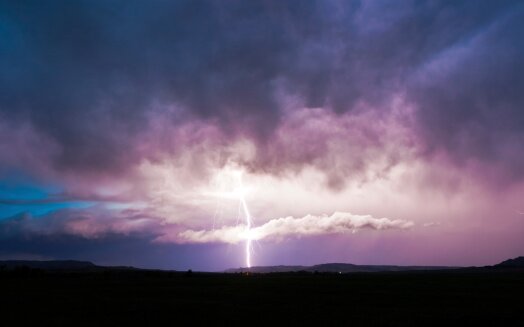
[277,229]
[80,223]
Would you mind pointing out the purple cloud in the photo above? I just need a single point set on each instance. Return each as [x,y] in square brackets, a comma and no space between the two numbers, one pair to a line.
[324,105]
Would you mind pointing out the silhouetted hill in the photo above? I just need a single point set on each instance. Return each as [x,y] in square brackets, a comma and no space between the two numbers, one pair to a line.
[129,297]
[512,263]
[336,268]
[49,265]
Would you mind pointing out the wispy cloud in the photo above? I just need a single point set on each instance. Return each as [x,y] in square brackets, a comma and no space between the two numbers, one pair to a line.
[310,225]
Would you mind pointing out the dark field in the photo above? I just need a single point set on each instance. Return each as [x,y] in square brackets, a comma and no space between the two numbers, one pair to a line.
[121,298]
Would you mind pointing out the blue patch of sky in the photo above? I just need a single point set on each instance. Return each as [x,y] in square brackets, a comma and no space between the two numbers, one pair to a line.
[18,187]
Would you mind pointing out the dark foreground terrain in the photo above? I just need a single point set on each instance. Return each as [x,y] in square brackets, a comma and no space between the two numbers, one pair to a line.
[120,297]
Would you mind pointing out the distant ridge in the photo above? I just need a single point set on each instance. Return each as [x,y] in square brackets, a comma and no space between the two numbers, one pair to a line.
[49,265]
[517,262]
[336,268]
[87,266]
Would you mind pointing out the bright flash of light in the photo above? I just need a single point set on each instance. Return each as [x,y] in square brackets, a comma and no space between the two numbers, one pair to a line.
[248,231]
[232,179]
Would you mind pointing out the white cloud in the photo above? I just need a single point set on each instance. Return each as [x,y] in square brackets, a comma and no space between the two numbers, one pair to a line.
[431,224]
[337,223]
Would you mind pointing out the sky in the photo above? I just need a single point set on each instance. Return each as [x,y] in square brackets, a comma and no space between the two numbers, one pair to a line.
[148,133]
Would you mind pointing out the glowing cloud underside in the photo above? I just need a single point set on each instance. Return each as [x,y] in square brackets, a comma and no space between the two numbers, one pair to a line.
[310,225]
[230,179]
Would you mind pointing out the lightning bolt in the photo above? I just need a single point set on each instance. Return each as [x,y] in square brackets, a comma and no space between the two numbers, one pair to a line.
[238,193]
[248,230]
[247,216]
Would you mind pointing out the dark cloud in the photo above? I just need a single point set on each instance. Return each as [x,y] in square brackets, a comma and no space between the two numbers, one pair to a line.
[111,249]
[89,75]
[90,235]
[470,100]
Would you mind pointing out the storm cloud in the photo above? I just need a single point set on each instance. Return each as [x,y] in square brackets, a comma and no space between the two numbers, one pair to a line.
[123,113]
[92,78]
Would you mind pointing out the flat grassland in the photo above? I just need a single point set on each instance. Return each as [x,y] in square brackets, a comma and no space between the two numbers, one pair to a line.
[120,298]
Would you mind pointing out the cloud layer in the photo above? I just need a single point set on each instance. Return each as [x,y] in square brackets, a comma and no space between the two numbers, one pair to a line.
[103,85]
[281,228]
[410,110]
